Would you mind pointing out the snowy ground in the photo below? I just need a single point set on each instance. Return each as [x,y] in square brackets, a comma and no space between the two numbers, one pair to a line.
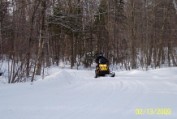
[72,94]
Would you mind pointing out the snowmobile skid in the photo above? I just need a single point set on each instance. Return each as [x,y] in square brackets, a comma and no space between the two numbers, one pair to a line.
[112,74]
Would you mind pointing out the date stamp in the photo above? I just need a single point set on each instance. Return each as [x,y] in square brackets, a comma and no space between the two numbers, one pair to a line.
[153,111]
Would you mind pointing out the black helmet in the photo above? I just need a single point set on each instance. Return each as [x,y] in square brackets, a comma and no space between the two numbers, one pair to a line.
[100,54]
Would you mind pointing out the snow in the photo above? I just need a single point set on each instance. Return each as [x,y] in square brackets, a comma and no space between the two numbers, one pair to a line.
[75,94]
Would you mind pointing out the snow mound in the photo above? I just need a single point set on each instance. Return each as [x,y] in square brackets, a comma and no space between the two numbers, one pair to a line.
[2,80]
[62,76]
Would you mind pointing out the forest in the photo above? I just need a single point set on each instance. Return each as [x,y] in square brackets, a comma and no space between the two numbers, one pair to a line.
[36,34]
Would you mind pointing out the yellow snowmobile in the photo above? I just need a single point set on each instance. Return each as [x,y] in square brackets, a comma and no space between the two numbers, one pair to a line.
[103,70]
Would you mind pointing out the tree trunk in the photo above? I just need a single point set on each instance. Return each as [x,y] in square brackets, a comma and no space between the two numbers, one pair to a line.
[1,43]
[40,55]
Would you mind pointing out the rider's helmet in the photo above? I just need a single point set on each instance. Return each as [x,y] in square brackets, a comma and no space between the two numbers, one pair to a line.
[100,54]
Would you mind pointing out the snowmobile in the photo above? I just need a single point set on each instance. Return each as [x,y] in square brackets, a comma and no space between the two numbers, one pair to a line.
[103,70]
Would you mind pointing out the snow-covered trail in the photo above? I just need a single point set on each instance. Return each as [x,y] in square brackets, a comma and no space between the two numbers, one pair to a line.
[72,94]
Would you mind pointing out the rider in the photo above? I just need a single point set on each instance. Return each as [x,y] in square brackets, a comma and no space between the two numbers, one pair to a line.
[100,59]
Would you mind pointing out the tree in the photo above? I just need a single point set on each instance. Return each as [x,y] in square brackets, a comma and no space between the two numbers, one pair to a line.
[42,36]
[3,12]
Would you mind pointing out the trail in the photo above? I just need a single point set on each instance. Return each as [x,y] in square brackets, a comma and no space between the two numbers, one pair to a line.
[75,94]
